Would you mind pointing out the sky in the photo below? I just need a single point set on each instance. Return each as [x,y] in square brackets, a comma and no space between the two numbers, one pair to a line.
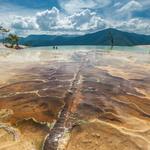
[74,17]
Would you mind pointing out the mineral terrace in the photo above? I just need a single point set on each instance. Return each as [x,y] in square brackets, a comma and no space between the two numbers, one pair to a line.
[88,100]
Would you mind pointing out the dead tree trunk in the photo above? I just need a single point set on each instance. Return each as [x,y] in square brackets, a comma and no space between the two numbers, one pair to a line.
[111,40]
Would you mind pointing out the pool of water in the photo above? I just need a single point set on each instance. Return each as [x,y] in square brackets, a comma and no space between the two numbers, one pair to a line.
[141,49]
[47,53]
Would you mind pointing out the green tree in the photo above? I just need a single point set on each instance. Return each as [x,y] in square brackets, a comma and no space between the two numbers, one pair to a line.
[13,39]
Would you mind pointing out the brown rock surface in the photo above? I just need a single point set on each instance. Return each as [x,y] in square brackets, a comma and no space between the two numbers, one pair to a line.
[108,107]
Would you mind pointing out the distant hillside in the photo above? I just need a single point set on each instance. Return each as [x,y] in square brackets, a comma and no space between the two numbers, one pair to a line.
[98,38]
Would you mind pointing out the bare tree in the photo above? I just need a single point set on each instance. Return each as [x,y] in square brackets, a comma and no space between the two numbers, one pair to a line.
[111,39]
[3,31]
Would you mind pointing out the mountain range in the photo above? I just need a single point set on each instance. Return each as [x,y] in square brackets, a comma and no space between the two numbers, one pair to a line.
[104,37]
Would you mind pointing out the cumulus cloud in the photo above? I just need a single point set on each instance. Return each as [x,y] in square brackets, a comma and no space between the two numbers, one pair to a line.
[145,3]
[117,4]
[72,6]
[135,25]
[24,23]
[85,21]
[130,7]
[47,19]
[53,20]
